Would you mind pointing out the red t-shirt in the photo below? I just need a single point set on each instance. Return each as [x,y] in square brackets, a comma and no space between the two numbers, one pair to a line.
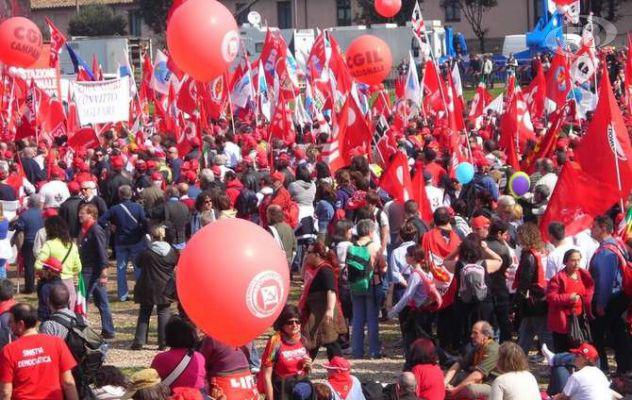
[285,358]
[429,381]
[34,364]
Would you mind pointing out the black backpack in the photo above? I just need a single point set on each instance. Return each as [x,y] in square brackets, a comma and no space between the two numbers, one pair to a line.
[86,346]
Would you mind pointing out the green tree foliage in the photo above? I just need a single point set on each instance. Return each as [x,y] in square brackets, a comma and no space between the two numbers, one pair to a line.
[155,13]
[97,20]
[368,15]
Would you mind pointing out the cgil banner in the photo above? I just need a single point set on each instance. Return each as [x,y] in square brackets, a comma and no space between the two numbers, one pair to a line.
[103,101]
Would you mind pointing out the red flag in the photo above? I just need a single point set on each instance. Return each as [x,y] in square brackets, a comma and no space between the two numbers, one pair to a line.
[628,75]
[433,89]
[358,133]
[386,148]
[282,125]
[481,99]
[509,131]
[333,151]
[72,121]
[577,199]
[96,68]
[421,197]
[546,145]
[396,179]
[28,123]
[171,117]
[317,56]
[338,66]
[607,137]
[57,41]
[535,94]
[83,139]
[52,118]
[217,97]
[455,108]
[558,80]
[188,95]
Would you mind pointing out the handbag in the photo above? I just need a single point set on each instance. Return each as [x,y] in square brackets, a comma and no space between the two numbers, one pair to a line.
[578,329]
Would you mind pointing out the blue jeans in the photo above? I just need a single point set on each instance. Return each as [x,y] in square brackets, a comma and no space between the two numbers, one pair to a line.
[100,295]
[529,328]
[124,254]
[561,369]
[365,312]
[3,269]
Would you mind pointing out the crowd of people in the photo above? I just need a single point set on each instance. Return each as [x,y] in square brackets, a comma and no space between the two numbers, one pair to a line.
[472,286]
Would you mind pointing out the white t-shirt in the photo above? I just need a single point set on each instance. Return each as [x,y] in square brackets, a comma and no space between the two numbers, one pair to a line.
[589,383]
[555,263]
[435,197]
[515,386]
[54,193]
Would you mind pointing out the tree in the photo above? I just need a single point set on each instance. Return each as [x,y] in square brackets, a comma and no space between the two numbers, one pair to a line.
[368,15]
[97,20]
[155,13]
[473,10]
[608,9]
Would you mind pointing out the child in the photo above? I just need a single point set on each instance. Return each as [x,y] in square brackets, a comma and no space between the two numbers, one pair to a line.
[49,277]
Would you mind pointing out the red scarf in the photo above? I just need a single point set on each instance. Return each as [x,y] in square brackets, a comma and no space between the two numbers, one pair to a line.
[539,270]
[310,273]
[341,382]
[437,247]
[86,227]
[6,305]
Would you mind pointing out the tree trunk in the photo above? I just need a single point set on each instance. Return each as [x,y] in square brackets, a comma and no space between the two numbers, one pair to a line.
[481,41]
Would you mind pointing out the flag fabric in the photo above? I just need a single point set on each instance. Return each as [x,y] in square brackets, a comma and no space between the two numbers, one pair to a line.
[188,95]
[628,75]
[263,94]
[81,306]
[412,90]
[421,196]
[419,29]
[358,133]
[558,80]
[125,69]
[82,69]
[282,125]
[83,139]
[243,91]
[96,68]
[434,96]
[162,76]
[585,61]
[605,151]
[577,199]
[546,145]
[57,41]
[481,99]
[535,93]
[395,180]
[333,151]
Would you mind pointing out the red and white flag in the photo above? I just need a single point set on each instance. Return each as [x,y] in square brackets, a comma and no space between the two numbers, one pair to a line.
[57,41]
[395,180]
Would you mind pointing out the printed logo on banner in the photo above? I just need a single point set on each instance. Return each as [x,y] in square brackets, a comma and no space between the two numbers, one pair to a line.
[265,294]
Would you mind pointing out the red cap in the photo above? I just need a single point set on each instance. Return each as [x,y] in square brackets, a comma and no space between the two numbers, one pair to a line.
[57,172]
[157,176]
[74,187]
[480,222]
[190,176]
[278,176]
[337,364]
[52,264]
[587,351]
[117,163]
[8,154]
[49,212]
[151,164]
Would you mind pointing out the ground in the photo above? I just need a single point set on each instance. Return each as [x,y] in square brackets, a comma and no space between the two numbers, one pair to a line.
[125,315]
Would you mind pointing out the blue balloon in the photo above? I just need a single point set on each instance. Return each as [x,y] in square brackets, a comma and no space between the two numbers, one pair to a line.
[464,173]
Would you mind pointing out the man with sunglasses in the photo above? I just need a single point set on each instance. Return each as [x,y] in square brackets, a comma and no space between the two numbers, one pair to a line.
[89,196]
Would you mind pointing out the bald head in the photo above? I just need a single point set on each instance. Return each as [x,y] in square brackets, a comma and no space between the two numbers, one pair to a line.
[407,383]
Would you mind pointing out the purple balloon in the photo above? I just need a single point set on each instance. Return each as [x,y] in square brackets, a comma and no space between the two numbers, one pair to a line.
[520,185]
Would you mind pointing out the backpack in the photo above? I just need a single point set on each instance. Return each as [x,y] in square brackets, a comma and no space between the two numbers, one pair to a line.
[625,264]
[472,283]
[359,268]
[86,345]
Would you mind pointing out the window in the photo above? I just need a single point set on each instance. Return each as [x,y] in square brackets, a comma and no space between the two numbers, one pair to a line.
[343,12]
[134,23]
[284,14]
[243,11]
[452,11]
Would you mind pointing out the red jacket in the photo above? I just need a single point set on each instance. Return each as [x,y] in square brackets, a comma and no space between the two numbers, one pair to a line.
[559,299]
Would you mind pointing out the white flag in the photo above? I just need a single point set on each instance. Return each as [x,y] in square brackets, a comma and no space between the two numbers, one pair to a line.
[162,75]
[264,94]
[412,90]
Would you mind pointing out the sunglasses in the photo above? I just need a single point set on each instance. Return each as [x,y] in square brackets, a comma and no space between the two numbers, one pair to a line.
[85,189]
[208,201]
[293,322]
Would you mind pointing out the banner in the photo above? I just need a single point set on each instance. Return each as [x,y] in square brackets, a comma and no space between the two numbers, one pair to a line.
[46,78]
[103,101]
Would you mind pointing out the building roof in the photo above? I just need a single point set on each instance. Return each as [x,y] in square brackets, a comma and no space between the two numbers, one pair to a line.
[43,4]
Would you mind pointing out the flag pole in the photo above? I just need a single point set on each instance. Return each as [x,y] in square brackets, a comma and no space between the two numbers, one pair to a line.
[232,116]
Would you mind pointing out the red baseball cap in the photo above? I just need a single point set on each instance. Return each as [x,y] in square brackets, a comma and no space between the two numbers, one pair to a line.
[480,222]
[53,264]
[74,187]
[337,364]
[278,176]
[117,163]
[587,351]
[157,176]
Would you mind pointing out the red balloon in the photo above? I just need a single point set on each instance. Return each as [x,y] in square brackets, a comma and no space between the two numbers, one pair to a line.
[233,280]
[202,38]
[20,42]
[388,8]
[369,59]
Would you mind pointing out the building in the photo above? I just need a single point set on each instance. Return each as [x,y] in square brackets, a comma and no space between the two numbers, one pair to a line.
[508,17]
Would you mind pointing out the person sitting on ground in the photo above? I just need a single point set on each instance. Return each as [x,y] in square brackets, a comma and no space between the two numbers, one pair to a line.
[343,385]
[109,383]
[424,360]
[404,389]
[181,337]
[516,382]
[586,382]
[472,374]
[146,384]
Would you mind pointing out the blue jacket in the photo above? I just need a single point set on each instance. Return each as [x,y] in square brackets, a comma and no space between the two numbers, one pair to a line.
[606,272]
[29,222]
[127,231]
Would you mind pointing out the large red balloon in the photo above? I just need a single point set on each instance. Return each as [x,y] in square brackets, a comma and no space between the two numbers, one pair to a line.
[369,59]
[233,280]
[202,38]
[388,8]
[20,42]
